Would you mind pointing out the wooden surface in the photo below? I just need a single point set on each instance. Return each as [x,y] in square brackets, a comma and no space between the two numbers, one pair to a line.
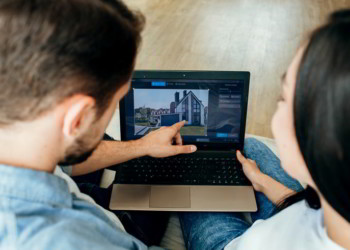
[260,36]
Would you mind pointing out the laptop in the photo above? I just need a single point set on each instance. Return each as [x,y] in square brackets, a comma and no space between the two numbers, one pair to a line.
[214,104]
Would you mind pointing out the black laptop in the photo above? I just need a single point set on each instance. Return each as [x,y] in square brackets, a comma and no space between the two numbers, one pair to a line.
[214,104]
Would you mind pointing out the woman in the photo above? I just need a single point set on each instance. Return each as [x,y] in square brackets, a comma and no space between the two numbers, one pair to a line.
[312,131]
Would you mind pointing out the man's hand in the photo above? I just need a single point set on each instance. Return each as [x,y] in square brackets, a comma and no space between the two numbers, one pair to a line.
[159,143]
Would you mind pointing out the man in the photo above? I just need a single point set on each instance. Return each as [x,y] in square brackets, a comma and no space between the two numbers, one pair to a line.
[64,65]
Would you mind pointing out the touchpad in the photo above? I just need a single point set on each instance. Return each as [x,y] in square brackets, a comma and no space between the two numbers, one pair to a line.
[170,197]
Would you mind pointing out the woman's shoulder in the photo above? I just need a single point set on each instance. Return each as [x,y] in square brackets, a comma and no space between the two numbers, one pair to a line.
[297,217]
[296,227]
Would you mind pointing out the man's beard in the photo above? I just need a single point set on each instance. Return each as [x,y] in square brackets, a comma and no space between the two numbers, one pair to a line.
[78,153]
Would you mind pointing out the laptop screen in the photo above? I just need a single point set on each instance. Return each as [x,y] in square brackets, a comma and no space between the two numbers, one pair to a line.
[212,108]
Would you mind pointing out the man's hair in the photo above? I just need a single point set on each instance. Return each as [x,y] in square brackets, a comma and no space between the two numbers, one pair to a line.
[53,49]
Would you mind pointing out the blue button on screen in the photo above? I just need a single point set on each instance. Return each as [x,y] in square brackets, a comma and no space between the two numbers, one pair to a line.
[221,135]
[158,84]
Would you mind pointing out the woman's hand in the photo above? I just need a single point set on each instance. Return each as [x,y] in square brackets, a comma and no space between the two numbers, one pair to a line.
[274,190]
[252,171]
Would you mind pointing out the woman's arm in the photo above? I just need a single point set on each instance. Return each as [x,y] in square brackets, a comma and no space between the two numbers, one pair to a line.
[273,190]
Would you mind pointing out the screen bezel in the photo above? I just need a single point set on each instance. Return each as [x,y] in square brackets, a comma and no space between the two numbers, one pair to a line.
[197,75]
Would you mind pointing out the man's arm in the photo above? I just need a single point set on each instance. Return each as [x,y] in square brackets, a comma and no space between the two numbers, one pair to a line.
[109,153]
[158,143]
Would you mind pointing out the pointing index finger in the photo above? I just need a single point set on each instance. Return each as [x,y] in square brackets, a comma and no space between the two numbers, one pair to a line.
[179,125]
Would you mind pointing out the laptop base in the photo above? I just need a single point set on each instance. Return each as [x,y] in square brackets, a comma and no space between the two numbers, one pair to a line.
[183,198]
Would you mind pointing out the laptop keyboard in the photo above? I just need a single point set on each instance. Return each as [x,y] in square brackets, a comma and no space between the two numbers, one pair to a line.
[182,171]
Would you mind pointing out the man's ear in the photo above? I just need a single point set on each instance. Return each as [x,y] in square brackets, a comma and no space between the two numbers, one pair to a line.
[79,115]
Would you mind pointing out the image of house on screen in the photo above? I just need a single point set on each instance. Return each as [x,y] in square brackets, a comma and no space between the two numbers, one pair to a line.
[157,108]
[189,108]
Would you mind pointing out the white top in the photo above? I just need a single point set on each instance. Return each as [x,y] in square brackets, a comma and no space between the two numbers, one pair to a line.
[297,227]
[73,188]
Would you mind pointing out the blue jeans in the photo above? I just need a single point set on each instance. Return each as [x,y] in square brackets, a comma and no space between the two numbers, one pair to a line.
[216,230]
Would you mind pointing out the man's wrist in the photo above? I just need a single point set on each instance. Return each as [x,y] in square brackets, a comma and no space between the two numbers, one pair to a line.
[141,148]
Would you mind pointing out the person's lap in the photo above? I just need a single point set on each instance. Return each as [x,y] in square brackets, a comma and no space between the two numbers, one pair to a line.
[216,230]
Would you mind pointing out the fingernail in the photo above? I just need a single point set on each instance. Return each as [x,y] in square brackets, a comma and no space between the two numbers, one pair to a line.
[238,152]
[193,148]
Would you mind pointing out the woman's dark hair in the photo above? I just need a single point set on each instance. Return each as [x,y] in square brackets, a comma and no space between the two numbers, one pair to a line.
[322,114]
